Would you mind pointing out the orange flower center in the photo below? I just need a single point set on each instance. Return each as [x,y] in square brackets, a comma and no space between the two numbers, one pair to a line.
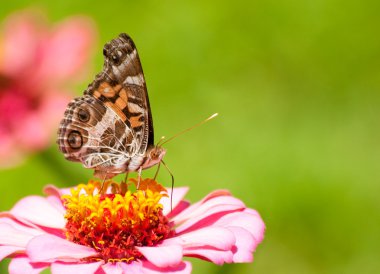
[115,223]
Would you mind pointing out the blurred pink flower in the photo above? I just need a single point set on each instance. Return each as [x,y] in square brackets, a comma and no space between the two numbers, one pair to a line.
[36,63]
[219,229]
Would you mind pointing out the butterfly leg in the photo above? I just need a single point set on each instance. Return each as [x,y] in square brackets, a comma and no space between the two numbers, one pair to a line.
[139,177]
[158,169]
[124,185]
[171,193]
[102,189]
[125,178]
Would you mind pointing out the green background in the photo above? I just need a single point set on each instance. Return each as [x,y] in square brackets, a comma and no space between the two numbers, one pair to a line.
[296,84]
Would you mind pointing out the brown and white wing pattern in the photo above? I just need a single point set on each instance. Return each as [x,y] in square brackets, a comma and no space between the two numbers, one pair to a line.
[121,87]
[110,127]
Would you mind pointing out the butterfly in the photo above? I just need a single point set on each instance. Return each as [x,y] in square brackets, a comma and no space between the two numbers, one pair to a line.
[110,128]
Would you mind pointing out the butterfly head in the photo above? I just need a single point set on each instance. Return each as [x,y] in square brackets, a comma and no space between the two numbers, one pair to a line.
[154,156]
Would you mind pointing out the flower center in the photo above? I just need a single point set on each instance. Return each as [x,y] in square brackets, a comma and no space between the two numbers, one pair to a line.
[116,222]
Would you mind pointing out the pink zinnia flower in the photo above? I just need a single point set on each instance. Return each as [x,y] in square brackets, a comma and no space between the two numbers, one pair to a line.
[79,230]
[36,63]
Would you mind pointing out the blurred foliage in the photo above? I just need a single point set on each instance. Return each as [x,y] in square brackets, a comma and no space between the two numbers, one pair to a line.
[296,84]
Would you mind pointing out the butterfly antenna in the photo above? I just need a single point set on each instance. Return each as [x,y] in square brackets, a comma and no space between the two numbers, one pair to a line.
[171,191]
[188,129]
[159,142]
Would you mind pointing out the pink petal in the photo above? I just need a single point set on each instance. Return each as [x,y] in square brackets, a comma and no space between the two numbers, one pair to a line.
[21,227]
[56,203]
[52,190]
[5,251]
[32,126]
[258,233]
[178,209]
[245,245]
[22,265]
[112,268]
[42,122]
[50,248]
[212,195]
[132,268]
[21,29]
[228,202]
[9,154]
[216,193]
[216,237]
[9,235]
[249,220]
[67,50]
[25,226]
[52,106]
[182,268]
[218,257]
[162,256]
[79,268]
[207,213]
[145,267]
[39,211]
[178,194]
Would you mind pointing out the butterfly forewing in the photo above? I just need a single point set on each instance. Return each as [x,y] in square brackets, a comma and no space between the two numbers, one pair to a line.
[121,87]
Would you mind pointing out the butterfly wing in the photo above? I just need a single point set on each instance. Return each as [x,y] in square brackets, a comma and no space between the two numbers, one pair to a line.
[121,87]
[91,133]
[110,128]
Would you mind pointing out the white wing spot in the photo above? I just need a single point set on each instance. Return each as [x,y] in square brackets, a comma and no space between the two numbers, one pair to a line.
[135,80]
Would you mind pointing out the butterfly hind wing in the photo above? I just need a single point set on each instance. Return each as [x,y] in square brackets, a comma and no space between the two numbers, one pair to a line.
[89,134]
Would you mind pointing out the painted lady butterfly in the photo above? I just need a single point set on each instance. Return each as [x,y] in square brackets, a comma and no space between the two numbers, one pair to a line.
[110,128]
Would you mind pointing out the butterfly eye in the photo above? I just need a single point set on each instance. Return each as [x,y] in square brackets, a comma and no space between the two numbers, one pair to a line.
[154,154]
[104,52]
[74,139]
[83,115]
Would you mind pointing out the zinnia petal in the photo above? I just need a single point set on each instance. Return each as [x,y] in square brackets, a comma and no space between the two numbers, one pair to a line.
[110,268]
[52,190]
[178,194]
[77,268]
[20,29]
[37,62]
[216,237]
[208,203]
[135,267]
[5,251]
[38,211]
[14,236]
[72,39]
[245,245]
[22,265]
[11,236]
[162,256]
[218,257]
[49,248]
[19,227]
[195,217]
[249,220]
[182,268]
